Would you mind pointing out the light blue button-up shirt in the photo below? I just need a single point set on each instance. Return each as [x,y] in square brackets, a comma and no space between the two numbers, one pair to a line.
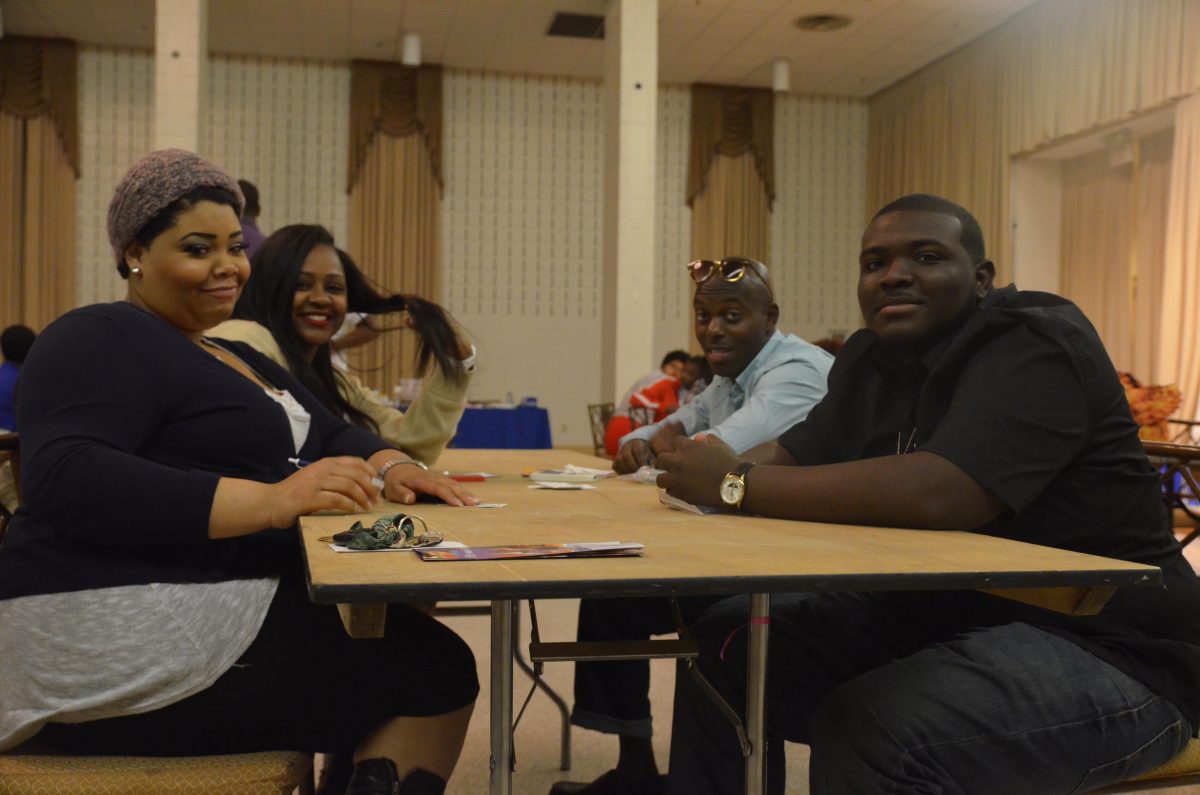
[775,391]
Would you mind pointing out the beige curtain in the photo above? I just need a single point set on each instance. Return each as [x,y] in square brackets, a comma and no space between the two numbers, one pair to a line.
[1179,332]
[1152,201]
[12,192]
[39,162]
[1059,68]
[395,200]
[732,215]
[731,121]
[731,171]
[1113,231]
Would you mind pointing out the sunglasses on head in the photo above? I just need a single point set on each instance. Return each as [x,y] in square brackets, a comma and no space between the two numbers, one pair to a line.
[731,269]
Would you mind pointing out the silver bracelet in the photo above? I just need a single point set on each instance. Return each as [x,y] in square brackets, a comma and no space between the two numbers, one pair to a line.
[395,462]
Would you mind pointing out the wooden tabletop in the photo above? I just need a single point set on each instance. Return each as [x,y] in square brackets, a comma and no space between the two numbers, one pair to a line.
[684,553]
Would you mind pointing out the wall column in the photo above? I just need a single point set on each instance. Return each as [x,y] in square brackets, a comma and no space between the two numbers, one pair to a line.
[180,71]
[630,121]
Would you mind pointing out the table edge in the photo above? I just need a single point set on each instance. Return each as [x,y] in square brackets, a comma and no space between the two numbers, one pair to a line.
[708,586]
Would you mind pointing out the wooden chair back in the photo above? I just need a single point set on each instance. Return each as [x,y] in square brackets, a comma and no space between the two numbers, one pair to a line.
[640,415]
[598,416]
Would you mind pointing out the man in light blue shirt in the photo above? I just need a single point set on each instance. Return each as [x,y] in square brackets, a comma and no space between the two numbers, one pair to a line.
[763,383]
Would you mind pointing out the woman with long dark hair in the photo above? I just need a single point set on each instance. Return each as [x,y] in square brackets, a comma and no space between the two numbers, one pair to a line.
[301,289]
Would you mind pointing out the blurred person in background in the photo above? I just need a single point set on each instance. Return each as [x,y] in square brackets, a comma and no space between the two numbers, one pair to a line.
[653,396]
[15,342]
[252,237]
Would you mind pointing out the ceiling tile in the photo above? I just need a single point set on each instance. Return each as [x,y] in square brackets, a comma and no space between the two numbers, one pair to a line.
[699,39]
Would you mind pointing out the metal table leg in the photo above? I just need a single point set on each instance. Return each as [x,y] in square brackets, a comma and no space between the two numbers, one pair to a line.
[756,686]
[564,754]
[501,698]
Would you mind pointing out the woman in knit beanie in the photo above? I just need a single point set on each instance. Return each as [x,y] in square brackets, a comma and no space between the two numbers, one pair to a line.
[151,594]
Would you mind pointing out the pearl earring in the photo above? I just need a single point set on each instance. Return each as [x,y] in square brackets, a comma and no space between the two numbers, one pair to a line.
[136,272]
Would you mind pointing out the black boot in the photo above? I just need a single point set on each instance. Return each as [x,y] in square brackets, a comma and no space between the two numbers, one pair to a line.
[379,777]
[374,777]
[335,773]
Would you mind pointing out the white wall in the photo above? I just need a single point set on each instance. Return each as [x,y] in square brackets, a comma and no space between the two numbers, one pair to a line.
[673,326]
[819,213]
[522,231]
[116,121]
[280,123]
[1036,192]
[283,124]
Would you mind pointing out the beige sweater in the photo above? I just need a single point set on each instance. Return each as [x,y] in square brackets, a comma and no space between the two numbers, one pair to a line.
[423,431]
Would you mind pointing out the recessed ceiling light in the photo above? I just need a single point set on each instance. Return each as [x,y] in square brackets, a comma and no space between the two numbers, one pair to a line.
[822,23]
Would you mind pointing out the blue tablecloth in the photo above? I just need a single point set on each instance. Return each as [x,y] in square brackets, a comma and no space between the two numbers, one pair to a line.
[523,427]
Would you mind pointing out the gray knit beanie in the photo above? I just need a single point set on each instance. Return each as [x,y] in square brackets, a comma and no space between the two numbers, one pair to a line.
[155,181]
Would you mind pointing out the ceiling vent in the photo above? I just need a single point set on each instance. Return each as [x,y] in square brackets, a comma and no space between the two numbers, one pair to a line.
[822,23]
[577,26]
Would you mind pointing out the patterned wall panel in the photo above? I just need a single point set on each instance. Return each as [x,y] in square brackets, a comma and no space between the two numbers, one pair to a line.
[817,221]
[522,233]
[280,123]
[673,326]
[283,124]
[116,122]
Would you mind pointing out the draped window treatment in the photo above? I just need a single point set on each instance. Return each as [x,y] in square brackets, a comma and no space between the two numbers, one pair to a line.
[1057,69]
[1114,225]
[395,199]
[1179,329]
[39,158]
[731,171]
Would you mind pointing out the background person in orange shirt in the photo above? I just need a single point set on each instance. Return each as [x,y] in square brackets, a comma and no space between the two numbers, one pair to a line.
[658,392]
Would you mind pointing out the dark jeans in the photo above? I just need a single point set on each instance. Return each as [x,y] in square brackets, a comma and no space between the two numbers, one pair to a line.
[894,698]
[613,696]
[302,685]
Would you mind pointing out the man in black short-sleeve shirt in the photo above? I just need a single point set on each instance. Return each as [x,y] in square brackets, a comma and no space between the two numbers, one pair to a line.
[960,406]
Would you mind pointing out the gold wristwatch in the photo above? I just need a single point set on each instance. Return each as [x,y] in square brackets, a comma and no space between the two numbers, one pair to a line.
[733,487]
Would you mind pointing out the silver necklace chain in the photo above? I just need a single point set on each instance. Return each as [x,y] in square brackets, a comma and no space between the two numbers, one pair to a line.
[908,447]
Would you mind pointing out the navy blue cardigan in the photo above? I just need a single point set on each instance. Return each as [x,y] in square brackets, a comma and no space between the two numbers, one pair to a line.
[126,428]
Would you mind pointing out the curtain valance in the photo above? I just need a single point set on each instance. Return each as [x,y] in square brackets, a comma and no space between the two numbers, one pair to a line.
[731,121]
[38,77]
[397,101]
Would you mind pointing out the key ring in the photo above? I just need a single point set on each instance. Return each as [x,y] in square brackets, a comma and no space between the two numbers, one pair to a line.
[398,531]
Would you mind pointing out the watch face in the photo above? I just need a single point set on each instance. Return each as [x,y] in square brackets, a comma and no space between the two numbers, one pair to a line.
[732,488]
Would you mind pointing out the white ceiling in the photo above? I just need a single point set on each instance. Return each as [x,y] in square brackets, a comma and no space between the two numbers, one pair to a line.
[715,41]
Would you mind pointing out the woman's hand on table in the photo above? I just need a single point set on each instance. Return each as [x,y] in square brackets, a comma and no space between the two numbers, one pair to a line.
[342,483]
[694,469]
[404,482]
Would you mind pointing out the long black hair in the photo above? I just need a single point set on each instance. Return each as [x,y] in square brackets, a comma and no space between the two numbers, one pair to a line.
[438,339]
[268,300]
